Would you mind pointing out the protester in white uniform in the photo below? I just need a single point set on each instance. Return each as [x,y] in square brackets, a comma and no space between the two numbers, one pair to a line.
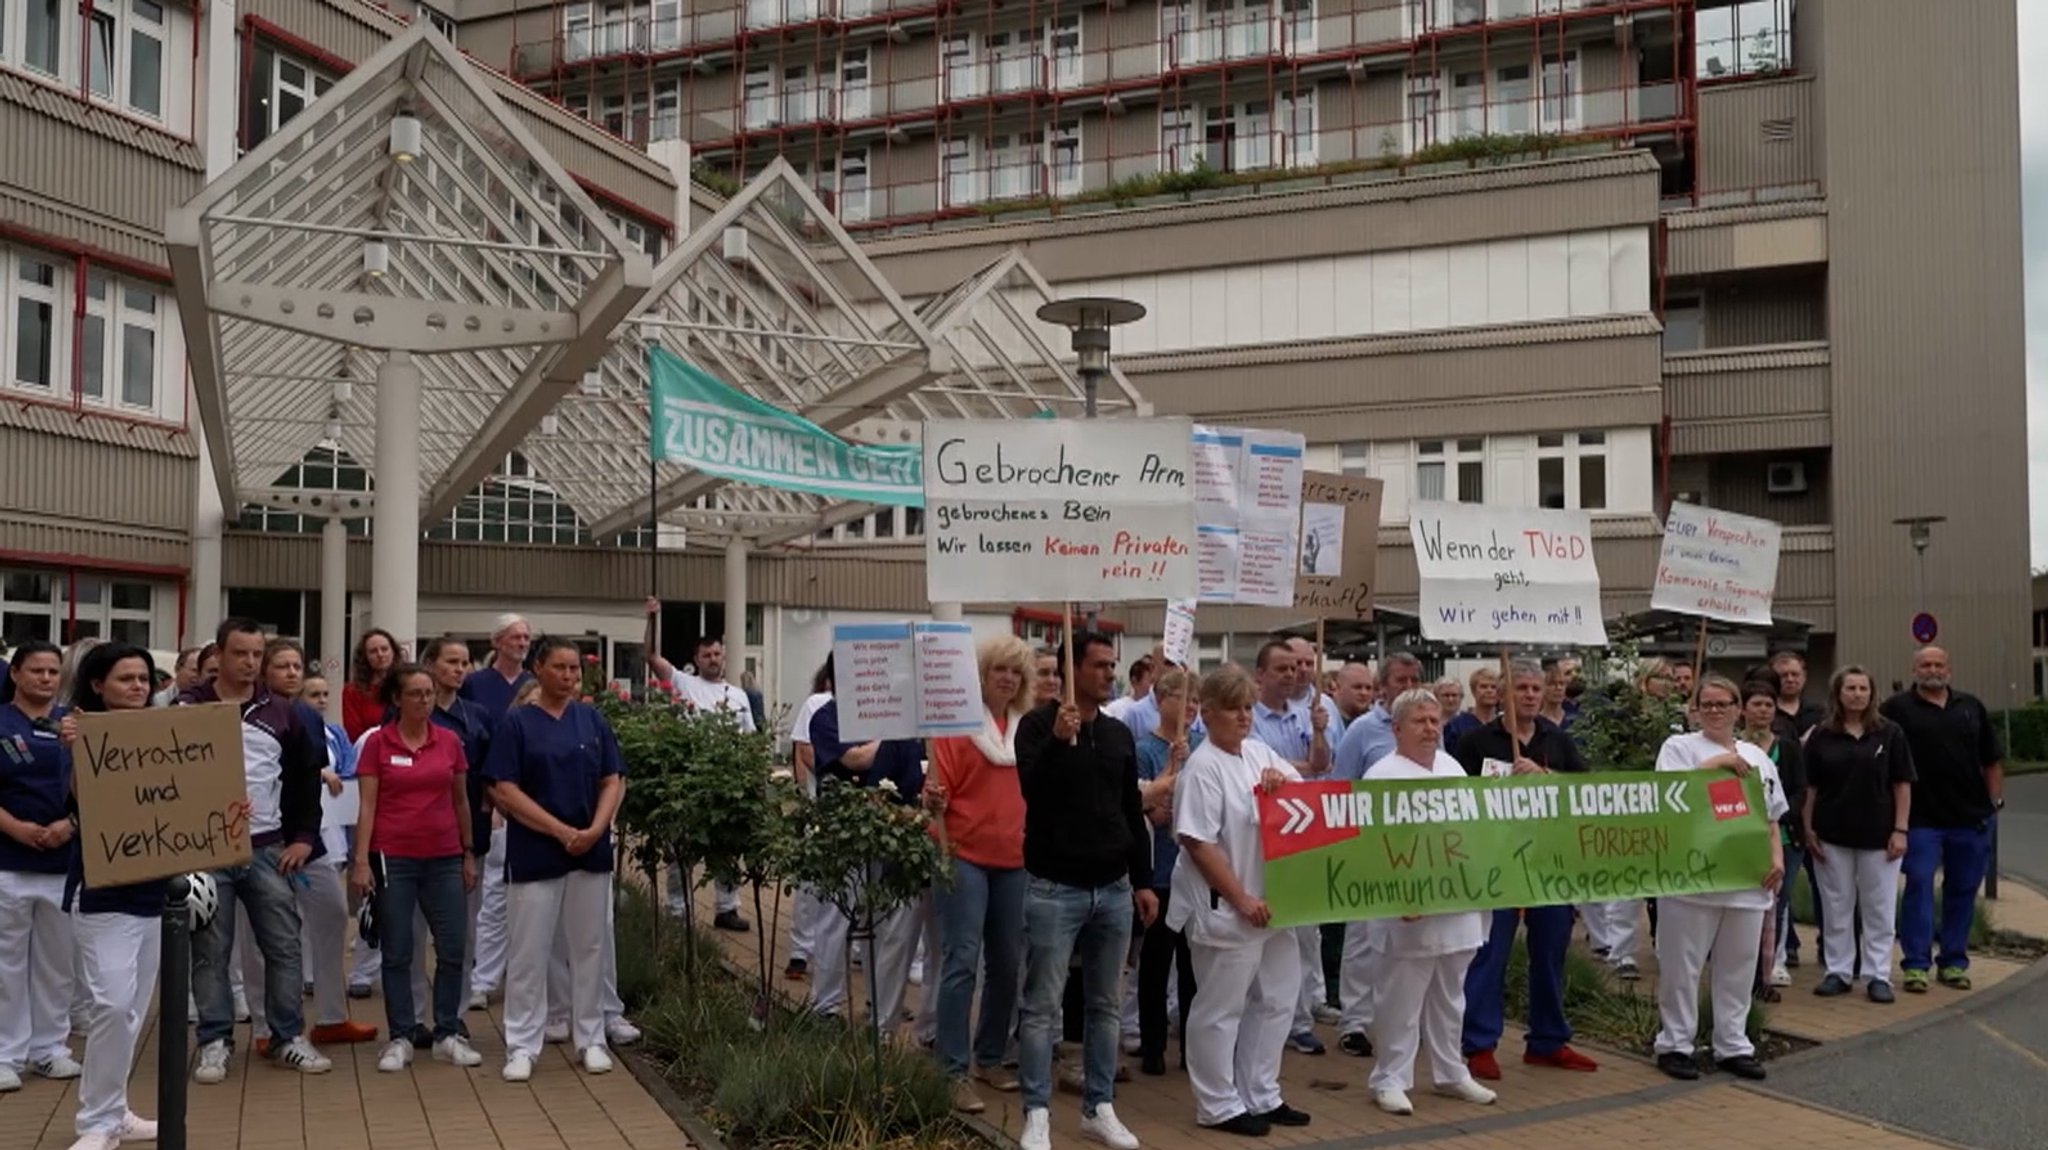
[808,912]
[1724,928]
[704,689]
[1246,975]
[1421,999]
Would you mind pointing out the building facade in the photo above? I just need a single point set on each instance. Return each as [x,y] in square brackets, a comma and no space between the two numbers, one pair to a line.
[1557,253]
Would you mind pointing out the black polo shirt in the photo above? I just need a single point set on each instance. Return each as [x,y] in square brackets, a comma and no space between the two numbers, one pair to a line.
[1802,720]
[1550,748]
[1850,778]
[1951,747]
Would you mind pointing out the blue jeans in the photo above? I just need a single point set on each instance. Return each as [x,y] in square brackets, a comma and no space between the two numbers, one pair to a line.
[1962,854]
[1058,921]
[274,923]
[432,887]
[1550,932]
[981,927]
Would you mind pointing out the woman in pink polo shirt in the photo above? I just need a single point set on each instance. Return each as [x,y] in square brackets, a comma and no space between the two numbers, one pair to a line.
[412,848]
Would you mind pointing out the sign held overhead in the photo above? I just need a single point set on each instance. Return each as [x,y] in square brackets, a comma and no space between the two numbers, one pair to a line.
[1506,575]
[1717,565]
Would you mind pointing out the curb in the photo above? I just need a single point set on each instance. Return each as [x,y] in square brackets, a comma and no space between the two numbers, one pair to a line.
[651,1079]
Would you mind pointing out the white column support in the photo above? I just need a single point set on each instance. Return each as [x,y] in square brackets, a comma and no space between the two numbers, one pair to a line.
[946,612]
[675,156]
[206,597]
[334,611]
[395,530]
[735,605]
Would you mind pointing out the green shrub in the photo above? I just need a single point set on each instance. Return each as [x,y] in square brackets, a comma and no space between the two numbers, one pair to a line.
[2029,726]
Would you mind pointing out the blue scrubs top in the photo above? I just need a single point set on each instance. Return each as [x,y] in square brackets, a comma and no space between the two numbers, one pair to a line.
[465,720]
[35,786]
[900,761]
[491,693]
[560,764]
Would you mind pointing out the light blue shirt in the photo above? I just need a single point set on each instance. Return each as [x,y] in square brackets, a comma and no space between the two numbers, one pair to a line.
[1143,719]
[1368,739]
[1286,731]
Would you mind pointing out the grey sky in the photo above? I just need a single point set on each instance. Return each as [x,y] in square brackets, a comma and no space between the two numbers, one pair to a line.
[2034,198]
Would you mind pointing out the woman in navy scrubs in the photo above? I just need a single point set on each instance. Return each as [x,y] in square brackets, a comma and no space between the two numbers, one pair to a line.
[120,930]
[556,772]
[36,845]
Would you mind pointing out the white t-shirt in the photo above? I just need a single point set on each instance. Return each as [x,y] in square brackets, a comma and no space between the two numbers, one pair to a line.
[1118,707]
[1216,802]
[708,696]
[800,727]
[1432,935]
[1685,753]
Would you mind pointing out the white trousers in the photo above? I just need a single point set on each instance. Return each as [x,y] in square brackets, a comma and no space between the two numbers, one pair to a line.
[724,898]
[36,964]
[561,988]
[1690,936]
[889,956]
[1624,921]
[1358,979]
[119,954]
[1310,940]
[806,915]
[1852,880]
[536,912]
[926,1030]
[1421,1006]
[1238,1024]
[487,949]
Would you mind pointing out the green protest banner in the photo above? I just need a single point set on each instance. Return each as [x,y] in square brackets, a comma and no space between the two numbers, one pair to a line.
[698,420]
[1348,851]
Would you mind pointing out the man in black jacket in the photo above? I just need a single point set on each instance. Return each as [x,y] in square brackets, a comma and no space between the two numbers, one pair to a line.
[1088,852]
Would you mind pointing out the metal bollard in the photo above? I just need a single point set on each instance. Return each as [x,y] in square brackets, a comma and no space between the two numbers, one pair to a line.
[173,995]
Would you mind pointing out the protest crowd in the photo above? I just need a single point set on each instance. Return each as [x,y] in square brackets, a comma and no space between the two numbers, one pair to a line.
[451,840]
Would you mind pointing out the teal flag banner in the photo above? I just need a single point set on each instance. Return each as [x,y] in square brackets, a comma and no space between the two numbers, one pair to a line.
[722,431]
[1348,851]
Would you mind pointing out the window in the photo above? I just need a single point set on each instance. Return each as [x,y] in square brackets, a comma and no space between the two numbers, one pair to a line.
[956,64]
[1571,471]
[35,323]
[1424,102]
[576,38]
[1298,130]
[1561,93]
[1468,104]
[1177,140]
[513,506]
[1013,166]
[63,606]
[666,31]
[44,29]
[1063,33]
[125,55]
[441,21]
[757,96]
[1354,458]
[1239,138]
[1512,112]
[853,85]
[1454,472]
[280,88]
[853,187]
[668,114]
[1685,324]
[956,170]
[1063,153]
[324,468]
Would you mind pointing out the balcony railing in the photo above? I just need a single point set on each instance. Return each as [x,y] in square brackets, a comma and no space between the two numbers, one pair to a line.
[1245,37]
[791,107]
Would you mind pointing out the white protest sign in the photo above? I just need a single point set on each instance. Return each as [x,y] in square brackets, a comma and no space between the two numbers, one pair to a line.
[1058,510]
[1247,513]
[1179,635]
[905,680]
[1717,565]
[1501,575]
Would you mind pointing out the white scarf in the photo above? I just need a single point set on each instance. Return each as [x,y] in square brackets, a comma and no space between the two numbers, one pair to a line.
[997,744]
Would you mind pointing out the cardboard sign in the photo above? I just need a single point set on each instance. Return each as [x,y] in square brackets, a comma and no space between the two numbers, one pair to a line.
[160,792]
[1340,545]
[1717,565]
[1247,514]
[1058,510]
[908,680]
[1506,575]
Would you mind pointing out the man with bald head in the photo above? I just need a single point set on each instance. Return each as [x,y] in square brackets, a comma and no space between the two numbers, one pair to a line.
[1355,692]
[1960,790]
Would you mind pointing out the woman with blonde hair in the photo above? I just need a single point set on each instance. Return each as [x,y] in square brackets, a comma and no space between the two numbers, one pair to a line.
[978,803]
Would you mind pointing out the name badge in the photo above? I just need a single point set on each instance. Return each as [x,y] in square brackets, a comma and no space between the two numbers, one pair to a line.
[1495,769]
[401,760]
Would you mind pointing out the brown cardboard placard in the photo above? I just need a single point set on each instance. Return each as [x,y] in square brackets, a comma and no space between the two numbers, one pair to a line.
[160,792]
[1340,518]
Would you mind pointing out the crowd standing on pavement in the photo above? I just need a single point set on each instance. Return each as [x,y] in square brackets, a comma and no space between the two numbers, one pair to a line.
[1107,894]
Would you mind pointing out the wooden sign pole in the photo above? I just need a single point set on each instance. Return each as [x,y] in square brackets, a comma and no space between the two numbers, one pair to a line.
[1067,658]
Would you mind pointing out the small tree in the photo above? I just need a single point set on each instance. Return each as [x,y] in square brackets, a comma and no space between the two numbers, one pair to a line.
[1620,726]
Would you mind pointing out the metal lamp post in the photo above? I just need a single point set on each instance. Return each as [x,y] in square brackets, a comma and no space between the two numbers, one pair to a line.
[1920,530]
[1089,318]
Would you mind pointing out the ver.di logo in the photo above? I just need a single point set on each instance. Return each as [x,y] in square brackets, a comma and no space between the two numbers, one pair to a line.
[1728,798]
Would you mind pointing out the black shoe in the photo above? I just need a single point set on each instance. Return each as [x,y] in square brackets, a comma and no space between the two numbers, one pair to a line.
[1152,1065]
[797,970]
[1791,960]
[359,990]
[1355,1044]
[1680,1066]
[1744,1066]
[1284,1115]
[1248,1125]
[730,920]
[1832,986]
[422,1038]
[1879,991]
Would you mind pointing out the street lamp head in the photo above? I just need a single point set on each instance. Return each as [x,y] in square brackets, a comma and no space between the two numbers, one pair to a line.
[1920,529]
[1090,318]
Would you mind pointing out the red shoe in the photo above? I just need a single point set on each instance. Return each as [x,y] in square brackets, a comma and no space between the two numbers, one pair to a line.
[342,1033]
[1484,1066]
[263,1048]
[1563,1058]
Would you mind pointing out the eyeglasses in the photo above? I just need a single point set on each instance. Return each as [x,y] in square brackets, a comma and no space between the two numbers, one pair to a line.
[1705,706]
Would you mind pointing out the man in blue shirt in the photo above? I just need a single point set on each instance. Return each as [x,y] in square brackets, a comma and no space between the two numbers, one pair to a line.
[1295,724]
[491,687]
[1371,738]
[1308,686]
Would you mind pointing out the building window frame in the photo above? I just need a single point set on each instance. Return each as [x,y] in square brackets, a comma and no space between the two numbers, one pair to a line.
[1451,470]
[43,292]
[1573,471]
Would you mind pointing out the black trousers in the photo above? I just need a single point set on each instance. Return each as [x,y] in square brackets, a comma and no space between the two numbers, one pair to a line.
[1162,951]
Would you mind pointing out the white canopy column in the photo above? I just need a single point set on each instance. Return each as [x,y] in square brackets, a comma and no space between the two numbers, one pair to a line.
[334,611]
[395,533]
[735,597]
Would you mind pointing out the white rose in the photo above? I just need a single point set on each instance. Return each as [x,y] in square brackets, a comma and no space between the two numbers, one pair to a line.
[887,786]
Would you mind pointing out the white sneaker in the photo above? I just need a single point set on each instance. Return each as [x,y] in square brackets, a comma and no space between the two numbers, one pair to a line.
[9,1081]
[1325,1014]
[96,1142]
[213,1063]
[136,1128]
[619,1032]
[299,1055]
[396,1057]
[518,1068]
[1780,976]
[478,1000]
[1103,1127]
[1468,1090]
[241,1006]
[917,973]
[56,1067]
[1037,1130]
[457,1051]
[556,1032]
[596,1060]
[1393,1102]
[1133,1043]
